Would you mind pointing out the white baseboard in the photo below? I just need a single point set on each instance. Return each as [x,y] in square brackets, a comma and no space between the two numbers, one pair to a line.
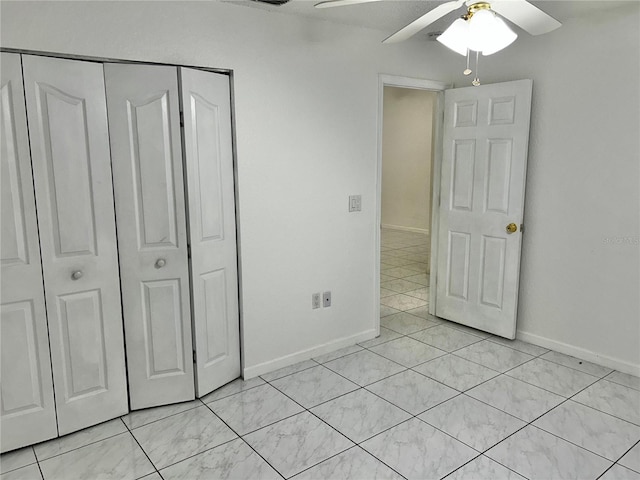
[275,364]
[406,229]
[581,353]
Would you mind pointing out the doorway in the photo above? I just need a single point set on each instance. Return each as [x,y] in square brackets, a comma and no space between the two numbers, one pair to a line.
[409,143]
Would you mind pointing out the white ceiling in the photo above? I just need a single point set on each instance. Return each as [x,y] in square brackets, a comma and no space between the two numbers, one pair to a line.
[389,16]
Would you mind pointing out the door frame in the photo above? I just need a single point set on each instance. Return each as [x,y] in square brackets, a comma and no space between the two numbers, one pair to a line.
[385,80]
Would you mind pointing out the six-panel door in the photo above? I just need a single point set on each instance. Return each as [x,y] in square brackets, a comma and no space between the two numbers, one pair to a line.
[484,164]
[28,412]
[72,169]
[144,127]
[214,276]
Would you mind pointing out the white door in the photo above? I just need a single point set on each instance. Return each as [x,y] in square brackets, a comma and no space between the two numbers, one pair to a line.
[212,227]
[72,170]
[484,163]
[144,127]
[28,412]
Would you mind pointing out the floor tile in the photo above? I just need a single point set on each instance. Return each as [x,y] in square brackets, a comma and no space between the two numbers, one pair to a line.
[539,455]
[632,459]
[152,476]
[472,422]
[385,336]
[337,354]
[79,439]
[386,311]
[423,312]
[139,418]
[395,261]
[384,278]
[360,415]
[231,388]
[232,460]
[417,450]
[618,472]
[364,367]
[297,443]
[609,397]
[493,356]
[515,397]
[30,472]
[573,362]
[464,328]
[400,286]
[314,386]
[598,432]
[402,302]
[445,338]
[483,468]
[283,372]
[418,267]
[385,292]
[116,458]
[456,372]
[521,346]
[625,379]
[412,392]
[175,438]
[16,459]
[405,323]
[421,293]
[553,377]
[255,408]
[354,463]
[421,278]
[407,351]
[398,272]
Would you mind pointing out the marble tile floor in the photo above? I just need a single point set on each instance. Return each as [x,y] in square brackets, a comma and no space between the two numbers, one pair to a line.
[427,399]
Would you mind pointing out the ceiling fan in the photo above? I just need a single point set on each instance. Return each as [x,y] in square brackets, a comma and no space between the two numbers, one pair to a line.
[522,13]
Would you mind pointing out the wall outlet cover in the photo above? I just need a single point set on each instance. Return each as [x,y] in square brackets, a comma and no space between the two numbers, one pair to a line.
[326,299]
[315,301]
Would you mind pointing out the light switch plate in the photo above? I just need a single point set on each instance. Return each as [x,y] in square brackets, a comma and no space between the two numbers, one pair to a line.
[355,203]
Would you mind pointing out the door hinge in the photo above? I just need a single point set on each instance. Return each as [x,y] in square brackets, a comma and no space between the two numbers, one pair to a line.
[522,228]
[194,356]
[182,119]
[189,251]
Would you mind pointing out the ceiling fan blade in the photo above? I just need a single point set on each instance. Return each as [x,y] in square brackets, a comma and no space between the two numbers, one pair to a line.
[341,3]
[527,16]
[424,21]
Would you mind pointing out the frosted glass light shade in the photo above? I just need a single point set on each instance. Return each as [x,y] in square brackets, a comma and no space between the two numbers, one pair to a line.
[501,37]
[456,36]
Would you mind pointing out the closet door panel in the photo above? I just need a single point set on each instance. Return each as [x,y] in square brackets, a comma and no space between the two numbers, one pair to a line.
[27,405]
[72,170]
[210,186]
[144,124]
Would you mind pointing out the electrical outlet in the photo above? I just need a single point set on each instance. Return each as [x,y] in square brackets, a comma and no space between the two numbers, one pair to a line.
[326,299]
[315,301]
[355,203]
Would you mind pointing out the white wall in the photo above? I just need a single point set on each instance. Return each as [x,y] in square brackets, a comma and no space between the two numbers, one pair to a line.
[306,128]
[406,157]
[579,292]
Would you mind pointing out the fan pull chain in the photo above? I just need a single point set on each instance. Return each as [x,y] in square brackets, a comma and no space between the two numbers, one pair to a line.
[476,81]
[467,71]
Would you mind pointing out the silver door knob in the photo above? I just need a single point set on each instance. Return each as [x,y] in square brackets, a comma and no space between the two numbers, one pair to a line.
[161,262]
[76,275]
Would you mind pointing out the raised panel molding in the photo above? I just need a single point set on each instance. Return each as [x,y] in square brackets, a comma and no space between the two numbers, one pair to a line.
[502,110]
[492,271]
[458,265]
[153,171]
[214,285]
[162,318]
[68,163]
[83,344]
[206,142]
[13,241]
[498,175]
[21,377]
[464,152]
[465,114]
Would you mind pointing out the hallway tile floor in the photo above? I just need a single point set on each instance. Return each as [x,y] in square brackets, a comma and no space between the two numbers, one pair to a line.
[428,399]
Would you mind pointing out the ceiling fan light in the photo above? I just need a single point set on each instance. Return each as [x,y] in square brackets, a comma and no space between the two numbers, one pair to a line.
[481,26]
[456,36]
[501,37]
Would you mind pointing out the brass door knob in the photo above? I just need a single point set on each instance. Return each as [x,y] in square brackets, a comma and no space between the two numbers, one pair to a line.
[512,228]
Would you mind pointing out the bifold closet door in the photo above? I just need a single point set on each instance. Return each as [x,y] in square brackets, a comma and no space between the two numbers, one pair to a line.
[144,126]
[28,412]
[72,169]
[208,152]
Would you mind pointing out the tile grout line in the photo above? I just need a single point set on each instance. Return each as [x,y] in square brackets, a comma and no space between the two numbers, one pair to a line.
[143,450]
